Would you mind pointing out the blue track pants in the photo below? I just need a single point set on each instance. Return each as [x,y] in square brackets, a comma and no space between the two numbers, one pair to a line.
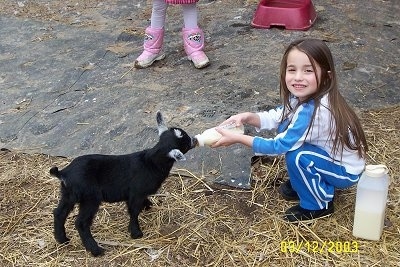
[314,176]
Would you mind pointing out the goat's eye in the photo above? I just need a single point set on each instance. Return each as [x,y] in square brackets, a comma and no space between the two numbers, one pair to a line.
[178,133]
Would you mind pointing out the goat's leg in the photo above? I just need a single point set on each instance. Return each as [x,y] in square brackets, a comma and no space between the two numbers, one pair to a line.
[147,204]
[65,206]
[87,212]
[135,206]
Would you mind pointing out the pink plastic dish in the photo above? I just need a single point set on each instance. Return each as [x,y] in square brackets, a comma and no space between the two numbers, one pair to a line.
[290,14]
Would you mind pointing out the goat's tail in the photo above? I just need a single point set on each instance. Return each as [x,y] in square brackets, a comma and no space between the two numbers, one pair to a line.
[54,172]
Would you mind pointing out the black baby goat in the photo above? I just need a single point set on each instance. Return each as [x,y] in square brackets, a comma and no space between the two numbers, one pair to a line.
[92,179]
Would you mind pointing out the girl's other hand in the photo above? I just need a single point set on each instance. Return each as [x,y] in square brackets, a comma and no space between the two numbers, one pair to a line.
[236,120]
[228,138]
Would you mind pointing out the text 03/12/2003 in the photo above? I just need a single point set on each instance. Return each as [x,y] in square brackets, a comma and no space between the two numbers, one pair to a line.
[319,246]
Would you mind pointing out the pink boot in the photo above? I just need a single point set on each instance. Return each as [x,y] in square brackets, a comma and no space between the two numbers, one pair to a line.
[193,40]
[153,41]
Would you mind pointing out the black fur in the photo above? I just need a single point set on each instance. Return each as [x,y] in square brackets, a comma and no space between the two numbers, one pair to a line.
[92,179]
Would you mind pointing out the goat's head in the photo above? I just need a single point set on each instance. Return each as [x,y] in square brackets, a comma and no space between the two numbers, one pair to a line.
[176,140]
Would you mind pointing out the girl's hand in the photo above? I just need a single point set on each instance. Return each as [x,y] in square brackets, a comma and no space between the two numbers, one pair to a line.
[243,118]
[228,138]
[237,120]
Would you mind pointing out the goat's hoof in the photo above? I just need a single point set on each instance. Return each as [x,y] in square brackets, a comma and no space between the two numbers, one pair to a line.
[136,235]
[147,204]
[97,252]
[63,240]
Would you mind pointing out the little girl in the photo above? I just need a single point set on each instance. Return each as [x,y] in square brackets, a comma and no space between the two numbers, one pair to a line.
[193,36]
[319,134]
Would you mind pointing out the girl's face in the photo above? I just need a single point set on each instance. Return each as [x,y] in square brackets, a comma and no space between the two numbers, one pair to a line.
[300,77]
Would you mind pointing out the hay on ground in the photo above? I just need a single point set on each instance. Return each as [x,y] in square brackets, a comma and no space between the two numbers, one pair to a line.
[190,225]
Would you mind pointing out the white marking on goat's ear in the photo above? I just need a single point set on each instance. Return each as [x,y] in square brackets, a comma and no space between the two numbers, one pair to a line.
[160,123]
[162,129]
[178,133]
[177,155]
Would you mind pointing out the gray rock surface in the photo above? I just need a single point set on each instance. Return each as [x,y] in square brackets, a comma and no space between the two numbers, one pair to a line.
[68,87]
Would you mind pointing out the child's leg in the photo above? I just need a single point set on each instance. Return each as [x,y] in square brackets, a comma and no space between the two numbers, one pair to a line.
[154,36]
[190,16]
[193,37]
[158,14]
[314,176]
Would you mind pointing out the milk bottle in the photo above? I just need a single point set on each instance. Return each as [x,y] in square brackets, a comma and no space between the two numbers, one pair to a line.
[371,198]
[210,136]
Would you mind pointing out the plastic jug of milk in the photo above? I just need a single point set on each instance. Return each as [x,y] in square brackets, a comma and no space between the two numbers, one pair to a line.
[371,198]
[210,136]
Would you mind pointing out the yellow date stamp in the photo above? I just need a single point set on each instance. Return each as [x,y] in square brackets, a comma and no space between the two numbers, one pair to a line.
[319,246]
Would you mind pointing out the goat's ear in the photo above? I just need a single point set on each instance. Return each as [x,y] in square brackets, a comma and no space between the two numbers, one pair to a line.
[160,123]
[177,155]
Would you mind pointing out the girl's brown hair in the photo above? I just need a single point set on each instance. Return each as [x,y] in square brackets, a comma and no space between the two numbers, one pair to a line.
[345,120]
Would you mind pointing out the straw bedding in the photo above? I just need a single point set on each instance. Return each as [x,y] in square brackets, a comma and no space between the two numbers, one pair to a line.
[197,224]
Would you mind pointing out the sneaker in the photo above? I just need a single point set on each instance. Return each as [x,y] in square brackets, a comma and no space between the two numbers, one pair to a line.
[146,59]
[287,192]
[299,214]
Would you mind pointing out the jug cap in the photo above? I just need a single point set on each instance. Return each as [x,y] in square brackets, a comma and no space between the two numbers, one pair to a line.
[376,170]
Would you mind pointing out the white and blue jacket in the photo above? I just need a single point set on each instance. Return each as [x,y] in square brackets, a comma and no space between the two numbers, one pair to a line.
[292,133]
